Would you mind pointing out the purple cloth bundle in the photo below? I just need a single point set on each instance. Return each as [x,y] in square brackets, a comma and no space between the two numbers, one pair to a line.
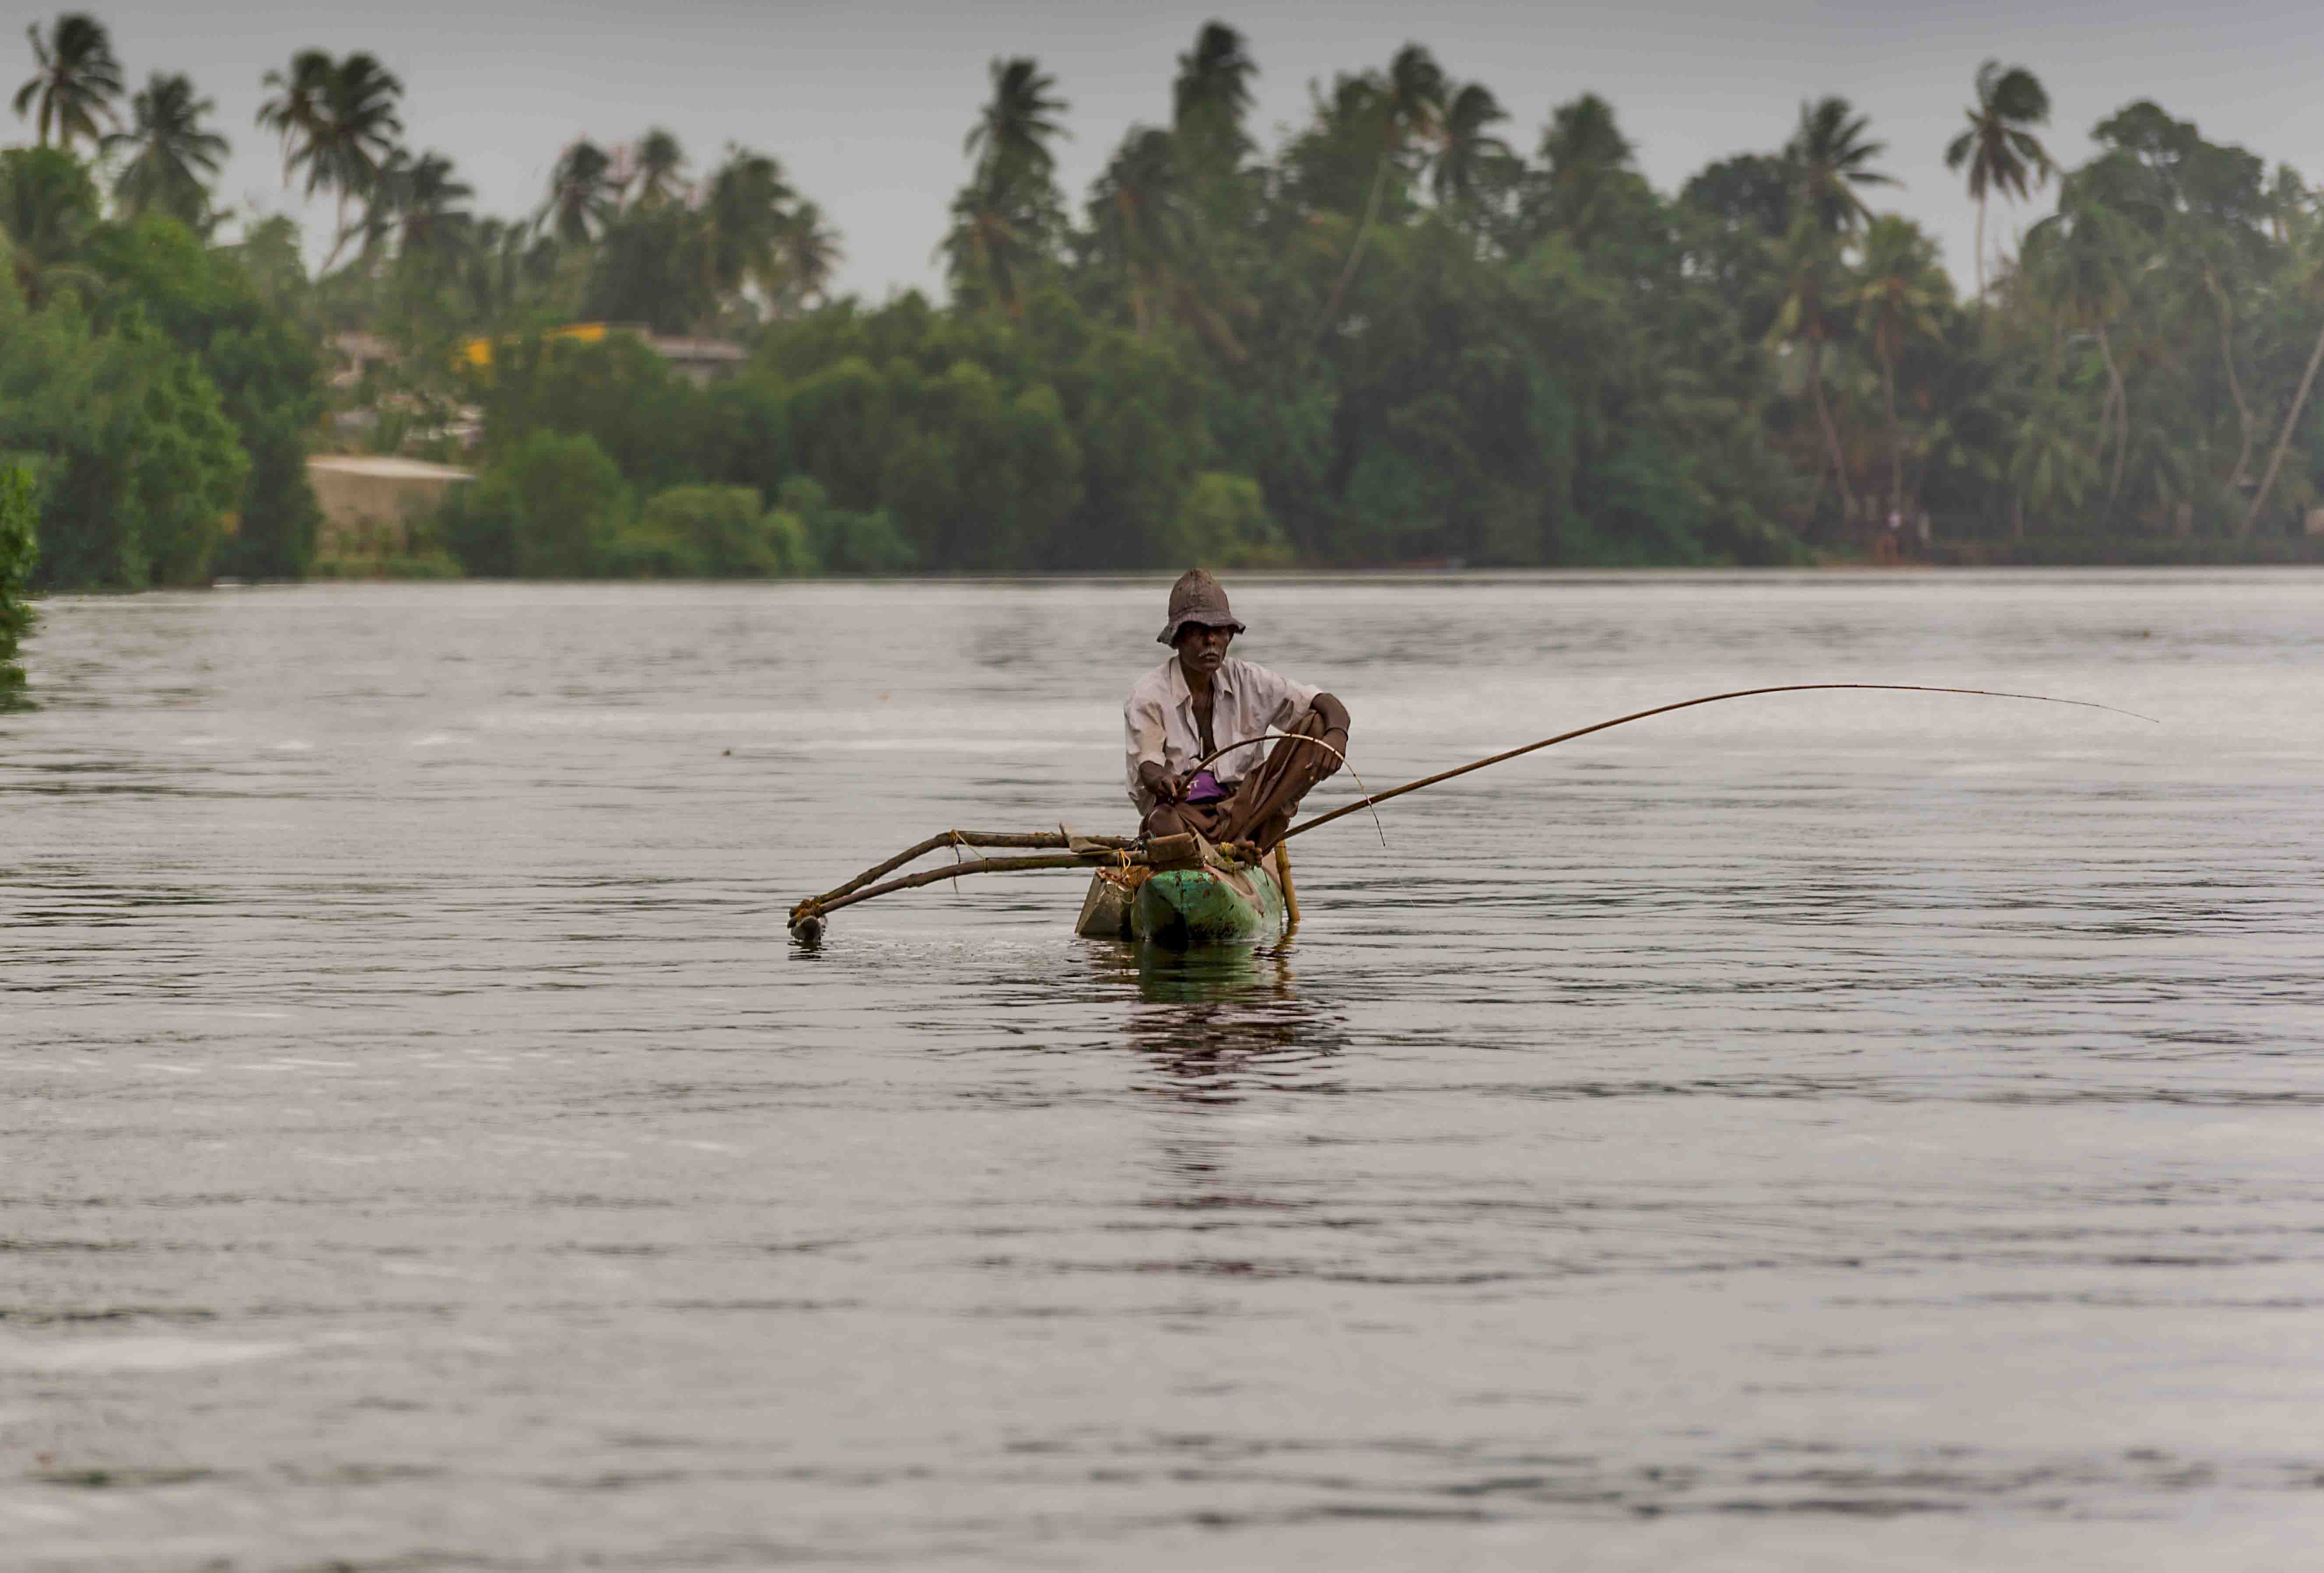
[1204,788]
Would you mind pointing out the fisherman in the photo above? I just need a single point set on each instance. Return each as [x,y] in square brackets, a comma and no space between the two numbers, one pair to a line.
[1200,702]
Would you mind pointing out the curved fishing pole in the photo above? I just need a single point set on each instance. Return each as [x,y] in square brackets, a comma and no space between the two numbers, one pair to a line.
[1414,786]
[1297,738]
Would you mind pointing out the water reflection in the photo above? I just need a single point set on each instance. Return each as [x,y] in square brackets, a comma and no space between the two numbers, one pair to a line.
[1216,1032]
[1216,1025]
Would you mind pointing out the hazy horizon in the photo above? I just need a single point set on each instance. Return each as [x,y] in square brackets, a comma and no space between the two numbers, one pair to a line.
[866,105]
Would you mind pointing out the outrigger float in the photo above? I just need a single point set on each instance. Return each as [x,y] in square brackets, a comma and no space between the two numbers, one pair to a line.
[1178,892]
[1183,892]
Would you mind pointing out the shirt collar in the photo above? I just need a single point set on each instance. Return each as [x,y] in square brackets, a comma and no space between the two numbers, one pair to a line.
[1181,694]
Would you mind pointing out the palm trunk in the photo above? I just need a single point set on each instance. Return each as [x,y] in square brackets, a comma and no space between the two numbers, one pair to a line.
[2120,398]
[1356,252]
[1981,248]
[2106,430]
[1141,315]
[2283,439]
[2234,385]
[1830,434]
[1896,432]
[339,241]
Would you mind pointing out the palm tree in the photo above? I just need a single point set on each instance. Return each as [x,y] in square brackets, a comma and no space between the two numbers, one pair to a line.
[1809,264]
[2287,196]
[339,122]
[1469,158]
[582,193]
[360,131]
[295,112]
[1209,101]
[1138,220]
[1829,159]
[502,259]
[810,252]
[2047,462]
[990,249]
[418,202]
[48,207]
[2307,285]
[2078,259]
[1406,107]
[659,158]
[1583,149]
[1012,137]
[1144,221]
[755,231]
[1896,292]
[77,83]
[1996,147]
[174,157]
[1005,220]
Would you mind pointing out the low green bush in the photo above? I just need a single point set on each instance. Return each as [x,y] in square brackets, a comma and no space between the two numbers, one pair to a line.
[19,547]
[553,507]
[1222,522]
[722,529]
[822,539]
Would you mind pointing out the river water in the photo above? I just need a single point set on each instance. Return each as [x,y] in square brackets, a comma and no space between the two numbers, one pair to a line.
[1814,1132]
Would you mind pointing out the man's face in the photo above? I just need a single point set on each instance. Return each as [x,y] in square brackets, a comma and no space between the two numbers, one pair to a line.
[1204,650]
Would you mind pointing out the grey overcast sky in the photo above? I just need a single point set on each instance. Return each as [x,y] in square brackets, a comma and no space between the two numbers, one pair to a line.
[866,103]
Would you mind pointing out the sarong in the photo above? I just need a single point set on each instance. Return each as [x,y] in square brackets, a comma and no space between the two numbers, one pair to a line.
[1260,807]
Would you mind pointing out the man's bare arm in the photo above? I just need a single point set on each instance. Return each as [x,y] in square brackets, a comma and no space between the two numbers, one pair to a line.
[1156,779]
[1335,723]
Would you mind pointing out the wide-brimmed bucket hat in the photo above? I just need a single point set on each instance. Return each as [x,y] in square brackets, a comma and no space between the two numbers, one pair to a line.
[1196,598]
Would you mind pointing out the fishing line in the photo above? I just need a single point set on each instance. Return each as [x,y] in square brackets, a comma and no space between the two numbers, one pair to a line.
[1299,737]
[1414,786]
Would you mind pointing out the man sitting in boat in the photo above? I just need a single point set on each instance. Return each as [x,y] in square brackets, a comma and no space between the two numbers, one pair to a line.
[1200,702]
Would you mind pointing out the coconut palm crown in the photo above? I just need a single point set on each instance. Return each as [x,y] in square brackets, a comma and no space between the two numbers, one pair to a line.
[1830,159]
[75,84]
[337,120]
[2000,151]
[171,156]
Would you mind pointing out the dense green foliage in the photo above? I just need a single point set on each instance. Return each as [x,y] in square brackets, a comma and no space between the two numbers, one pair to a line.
[262,362]
[136,460]
[18,550]
[554,506]
[1399,340]
[163,402]
[1395,337]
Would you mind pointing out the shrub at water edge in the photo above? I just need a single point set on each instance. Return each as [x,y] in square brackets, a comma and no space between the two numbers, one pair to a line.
[18,548]
[553,507]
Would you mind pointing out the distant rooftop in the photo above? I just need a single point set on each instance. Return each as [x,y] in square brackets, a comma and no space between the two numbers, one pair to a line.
[384,466]
[674,346]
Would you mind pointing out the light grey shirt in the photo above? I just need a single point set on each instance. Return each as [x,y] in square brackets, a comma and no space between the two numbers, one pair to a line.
[1246,701]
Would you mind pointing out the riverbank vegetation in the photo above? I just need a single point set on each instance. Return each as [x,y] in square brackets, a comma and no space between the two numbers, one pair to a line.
[1408,331]
[18,552]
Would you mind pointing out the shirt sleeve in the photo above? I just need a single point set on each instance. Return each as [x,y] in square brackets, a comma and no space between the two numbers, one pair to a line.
[1143,737]
[1283,700]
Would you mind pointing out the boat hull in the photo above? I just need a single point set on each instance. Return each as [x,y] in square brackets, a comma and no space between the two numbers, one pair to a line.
[1185,909]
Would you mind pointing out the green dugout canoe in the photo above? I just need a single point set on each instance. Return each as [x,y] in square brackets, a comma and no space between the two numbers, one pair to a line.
[1219,902]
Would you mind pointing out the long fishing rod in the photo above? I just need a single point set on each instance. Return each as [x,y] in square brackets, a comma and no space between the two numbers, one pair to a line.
[1076,851]
[1444,776]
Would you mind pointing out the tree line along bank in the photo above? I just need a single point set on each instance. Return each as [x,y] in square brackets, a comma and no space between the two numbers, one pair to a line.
[1391,337]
